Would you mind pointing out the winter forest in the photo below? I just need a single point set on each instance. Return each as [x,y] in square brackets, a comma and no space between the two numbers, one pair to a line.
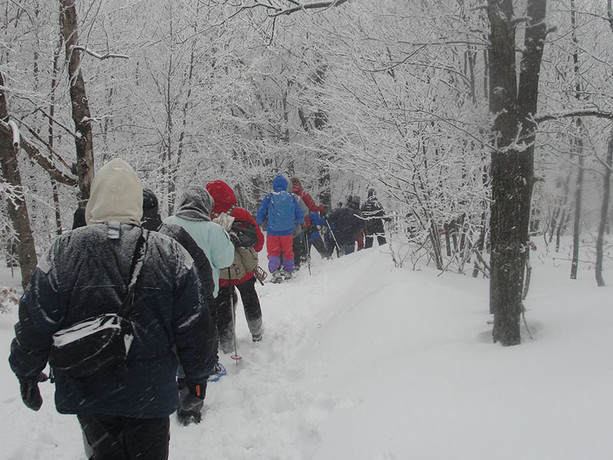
[484,125]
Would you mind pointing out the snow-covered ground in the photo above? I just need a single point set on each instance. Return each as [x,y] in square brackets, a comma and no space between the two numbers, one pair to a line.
[364,361]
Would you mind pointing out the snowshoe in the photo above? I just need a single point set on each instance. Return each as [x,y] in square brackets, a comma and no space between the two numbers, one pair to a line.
[188,417]
[277,277]
[220,371]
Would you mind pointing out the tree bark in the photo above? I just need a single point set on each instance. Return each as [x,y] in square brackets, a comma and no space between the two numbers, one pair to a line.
[512,160]
[16,204]
[604,213]
[80,105]
[578,144]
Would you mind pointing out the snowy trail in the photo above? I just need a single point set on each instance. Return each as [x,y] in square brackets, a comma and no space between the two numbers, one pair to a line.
[364,361]
[265,407]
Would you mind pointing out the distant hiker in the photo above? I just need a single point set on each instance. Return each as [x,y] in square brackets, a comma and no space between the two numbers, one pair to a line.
[248,241]
[193,211]
[299,190]
[353,201]
[152,221]
[301,241]
[319,236]
[282,211]
[374,216]
[300,237]
[346,224]
[123,411]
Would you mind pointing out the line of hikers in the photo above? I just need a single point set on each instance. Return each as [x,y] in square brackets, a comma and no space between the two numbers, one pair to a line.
[160,294]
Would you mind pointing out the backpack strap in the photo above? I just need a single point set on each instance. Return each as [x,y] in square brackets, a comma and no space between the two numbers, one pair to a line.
[138,259]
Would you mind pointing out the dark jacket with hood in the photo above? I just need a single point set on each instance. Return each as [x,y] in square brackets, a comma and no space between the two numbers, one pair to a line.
[373,214]
[281,209]
[85,273]
[224,201]
[180,235]
[346,223]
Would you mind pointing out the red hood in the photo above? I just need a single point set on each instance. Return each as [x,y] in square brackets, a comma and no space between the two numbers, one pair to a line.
[223,196]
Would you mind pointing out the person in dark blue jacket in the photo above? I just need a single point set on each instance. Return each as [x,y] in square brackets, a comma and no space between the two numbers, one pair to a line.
[346,223]
[124,413]
[283,212]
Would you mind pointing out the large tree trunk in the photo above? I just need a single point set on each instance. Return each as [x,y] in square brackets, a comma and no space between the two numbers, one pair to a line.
[16,204]
[604,212]
[80,105]
[512,159]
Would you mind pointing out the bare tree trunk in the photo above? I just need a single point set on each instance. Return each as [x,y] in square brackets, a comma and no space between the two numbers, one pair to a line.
[54,184]
[604,212]
[578,201]
[16,204]
[579,148]
[80,105]
[511,166]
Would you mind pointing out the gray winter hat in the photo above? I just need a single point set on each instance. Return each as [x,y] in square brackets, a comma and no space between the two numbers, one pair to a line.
[195,204]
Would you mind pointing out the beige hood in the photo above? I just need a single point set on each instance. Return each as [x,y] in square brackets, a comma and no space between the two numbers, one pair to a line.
[116,195]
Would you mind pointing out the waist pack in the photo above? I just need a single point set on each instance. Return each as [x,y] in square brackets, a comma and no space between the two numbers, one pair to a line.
[91,345]
[99,343]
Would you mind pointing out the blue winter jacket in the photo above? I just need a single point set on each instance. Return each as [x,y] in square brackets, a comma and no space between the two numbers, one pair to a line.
[281,209]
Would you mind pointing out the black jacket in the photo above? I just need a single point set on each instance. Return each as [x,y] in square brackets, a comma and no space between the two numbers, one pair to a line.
[346,224]
[179,234]
[374,215]
[84,274]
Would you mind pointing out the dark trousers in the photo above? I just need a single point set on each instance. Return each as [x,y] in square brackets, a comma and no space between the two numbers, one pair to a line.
[251,304]
[300,248]
[114,437]
[368,241]
[324,252]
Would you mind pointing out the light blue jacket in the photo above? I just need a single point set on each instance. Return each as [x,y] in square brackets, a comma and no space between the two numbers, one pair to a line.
[193,215]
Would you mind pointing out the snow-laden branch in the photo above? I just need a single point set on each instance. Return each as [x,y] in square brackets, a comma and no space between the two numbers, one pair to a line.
[16,134]
[102,57]
[35,154]
[309,6]
[573,113]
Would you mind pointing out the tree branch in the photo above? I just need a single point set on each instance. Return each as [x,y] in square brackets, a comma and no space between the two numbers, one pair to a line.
[574,113]
[37,156]
[102,57]
[310,6]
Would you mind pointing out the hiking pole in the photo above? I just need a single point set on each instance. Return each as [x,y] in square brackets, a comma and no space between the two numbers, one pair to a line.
[235,356]
[307,247]
[338,248]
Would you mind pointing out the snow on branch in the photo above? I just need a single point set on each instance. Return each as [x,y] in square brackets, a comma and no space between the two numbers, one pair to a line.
[102,57]
[309,6]
[574,113]
[35,154]
[16,134]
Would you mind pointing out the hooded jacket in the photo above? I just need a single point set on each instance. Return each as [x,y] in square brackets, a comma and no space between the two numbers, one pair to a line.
[281,209]
[192,214]
[299,190]
[373,214]
[85,273]
[224,200]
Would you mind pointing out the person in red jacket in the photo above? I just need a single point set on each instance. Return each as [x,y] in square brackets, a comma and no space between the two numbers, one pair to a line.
[248,240]
[301,252]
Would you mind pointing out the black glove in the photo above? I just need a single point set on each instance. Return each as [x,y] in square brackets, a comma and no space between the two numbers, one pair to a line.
[30,393]
[195,396]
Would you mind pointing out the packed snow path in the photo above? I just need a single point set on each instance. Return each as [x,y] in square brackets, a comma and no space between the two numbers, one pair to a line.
[363,361]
